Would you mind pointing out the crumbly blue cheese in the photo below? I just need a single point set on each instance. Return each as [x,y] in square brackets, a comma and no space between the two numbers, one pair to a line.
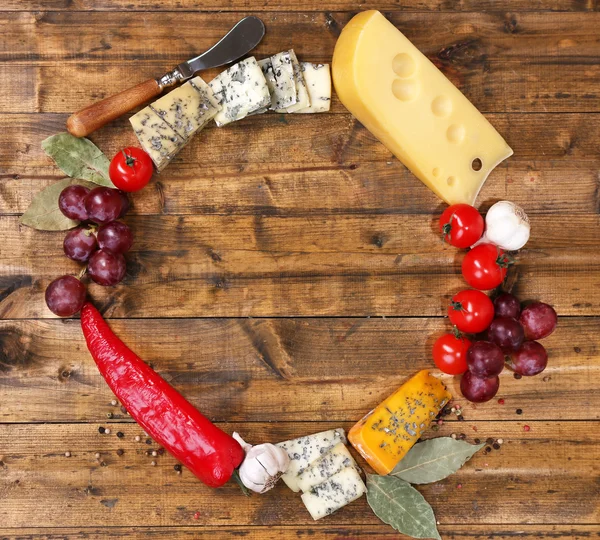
[326,466]
[240,91]
[279,73]
[304,450]
[157,138]
[341,489]
[302,97]
[318,83]
[187,108]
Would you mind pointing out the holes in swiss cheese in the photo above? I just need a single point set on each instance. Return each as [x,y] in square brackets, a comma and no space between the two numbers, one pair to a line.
[476,164]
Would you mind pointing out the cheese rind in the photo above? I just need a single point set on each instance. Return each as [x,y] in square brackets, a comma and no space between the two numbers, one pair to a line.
[411,107]
[157,138]
[240,91]
[336,459]
[318,83]
[336,492]
[388,432]
[302,97]
[187,108]
[305,450]
[279,73]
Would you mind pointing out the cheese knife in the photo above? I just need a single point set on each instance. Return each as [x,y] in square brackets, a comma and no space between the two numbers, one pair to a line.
[240,40]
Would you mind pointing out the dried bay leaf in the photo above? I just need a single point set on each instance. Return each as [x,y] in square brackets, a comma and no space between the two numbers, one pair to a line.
[435,459]
[400,505]
[44,214]
[78,158]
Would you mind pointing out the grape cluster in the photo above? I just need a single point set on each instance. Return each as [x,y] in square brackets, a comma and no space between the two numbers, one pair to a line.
[100,242]
[511,339]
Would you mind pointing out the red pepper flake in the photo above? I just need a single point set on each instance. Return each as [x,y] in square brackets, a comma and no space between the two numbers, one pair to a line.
[526,428]
[501,401]
[197,515]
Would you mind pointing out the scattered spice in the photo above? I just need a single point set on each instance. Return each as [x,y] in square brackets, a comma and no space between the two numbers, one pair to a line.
[461,417]
[453,409]
[114,402]
[477,441]
[435,427]
[101,429]
[546,378]
[487,449]
[109,415]
[500,441]
[103,464]
[501,401]
[148,441]
[517,376]
[137,438]
[526,428]
[458,486]
[107,431]
[120,452]
[489,440]
[97,455]
[148,453]
[120,434]
[153,463]
[197,515]
[496,446]
[124,410]
[177,467]
[440,422]
[154,453]
[462,437]
[519,411]
[458,407]
[67,454]
[446,411]
[453,435]
[474,428]
[161,451]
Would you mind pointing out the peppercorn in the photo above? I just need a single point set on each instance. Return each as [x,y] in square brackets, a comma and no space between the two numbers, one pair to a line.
[519,411]
[489,440]
[114,402]
[120,452]
[123,410]
[517,376]
[101,429]
[462,436]
[177,467]
[120,434]
[487,449]
[461,417]
[496,446]
[477,441]
[526,428]
[109,415]
[148,441]
[103,464]
[161,451]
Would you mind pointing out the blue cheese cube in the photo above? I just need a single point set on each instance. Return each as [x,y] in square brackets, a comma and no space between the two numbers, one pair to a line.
[326,466]
[303,451]
[318,83]
[240,91]
[157,138]
[279,73]
[302,97]
[341,489]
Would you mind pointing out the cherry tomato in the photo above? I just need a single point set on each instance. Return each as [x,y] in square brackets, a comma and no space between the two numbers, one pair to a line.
[471,311]
[131,169]
[450,353]
[461,225]
[484,267]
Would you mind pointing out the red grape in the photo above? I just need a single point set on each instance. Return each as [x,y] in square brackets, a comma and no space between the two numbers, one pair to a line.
[126,203]
[507,333]
[103,204]
[530,359]
[507,305]
[71,202]
[107,268]
[478,390]
[538,320]
[79,244]
[65,296]
[485,359]
[115,236]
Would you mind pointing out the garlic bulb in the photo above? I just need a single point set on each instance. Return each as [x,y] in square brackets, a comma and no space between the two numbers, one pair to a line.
[506,226]
[263,466]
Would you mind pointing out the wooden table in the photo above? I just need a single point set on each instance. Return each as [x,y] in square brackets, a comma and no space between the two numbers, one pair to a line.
[287,274]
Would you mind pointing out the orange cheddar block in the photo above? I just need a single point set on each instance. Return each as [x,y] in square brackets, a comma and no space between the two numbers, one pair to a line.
[388,432]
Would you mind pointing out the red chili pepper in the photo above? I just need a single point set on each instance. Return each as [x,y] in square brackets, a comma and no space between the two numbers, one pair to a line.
[172,421]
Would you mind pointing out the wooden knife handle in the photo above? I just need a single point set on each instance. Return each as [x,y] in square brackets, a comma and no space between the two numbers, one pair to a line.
[91,118]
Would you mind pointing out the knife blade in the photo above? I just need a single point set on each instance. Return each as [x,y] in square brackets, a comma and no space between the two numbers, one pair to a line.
[239,41]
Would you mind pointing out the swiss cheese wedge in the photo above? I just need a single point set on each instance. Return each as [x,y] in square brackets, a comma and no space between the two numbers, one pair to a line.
[391,429]
[414,110]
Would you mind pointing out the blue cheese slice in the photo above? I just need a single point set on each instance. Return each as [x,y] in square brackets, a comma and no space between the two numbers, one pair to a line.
[326,466]
[341,489]
[302,97]
[187,108]
[157,138]
[240,91]
[279,73]
[303,451]
[318,83]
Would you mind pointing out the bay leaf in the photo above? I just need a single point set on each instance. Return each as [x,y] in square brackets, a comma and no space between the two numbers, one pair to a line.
[44,214]
[435,459]
[400,505]
[78,158]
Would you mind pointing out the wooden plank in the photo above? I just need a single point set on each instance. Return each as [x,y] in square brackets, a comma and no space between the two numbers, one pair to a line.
[316,531]
[528,85]
[310,141]
[454,39]
[239,266]
[69,492]
[553,187]
[289,5]
[280,369]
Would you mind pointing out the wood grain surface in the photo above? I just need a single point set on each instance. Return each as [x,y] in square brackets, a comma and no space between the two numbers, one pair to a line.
[287,273]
